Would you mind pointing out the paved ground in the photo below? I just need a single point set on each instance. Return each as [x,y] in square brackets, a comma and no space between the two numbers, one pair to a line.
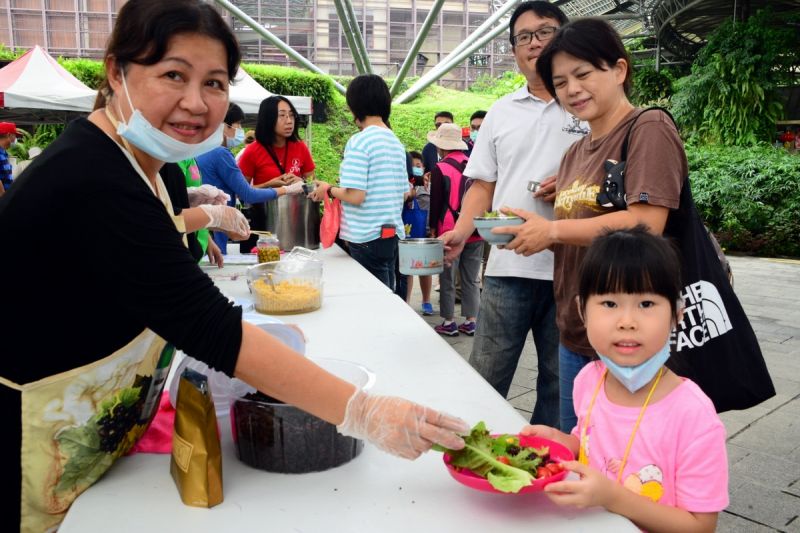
[764,441]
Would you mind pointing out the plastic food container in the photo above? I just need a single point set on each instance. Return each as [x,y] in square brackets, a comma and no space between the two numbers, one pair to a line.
[421,257]
[276,437]
[286,287]
[224,389]
[484,226]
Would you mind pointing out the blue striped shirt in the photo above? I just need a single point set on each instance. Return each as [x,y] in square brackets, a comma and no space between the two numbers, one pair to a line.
[374,161]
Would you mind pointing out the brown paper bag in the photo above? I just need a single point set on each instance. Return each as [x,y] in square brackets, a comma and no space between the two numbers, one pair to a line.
[196,464]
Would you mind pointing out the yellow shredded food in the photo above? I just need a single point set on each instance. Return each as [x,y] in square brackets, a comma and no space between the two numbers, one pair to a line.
[289,296]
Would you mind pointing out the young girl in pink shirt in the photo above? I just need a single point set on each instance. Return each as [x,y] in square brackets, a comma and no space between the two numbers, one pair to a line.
[650,446]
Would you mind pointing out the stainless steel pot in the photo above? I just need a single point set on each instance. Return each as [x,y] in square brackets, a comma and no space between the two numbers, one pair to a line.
[295,220]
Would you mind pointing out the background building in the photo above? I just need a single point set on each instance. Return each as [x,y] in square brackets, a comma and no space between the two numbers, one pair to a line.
[80,28]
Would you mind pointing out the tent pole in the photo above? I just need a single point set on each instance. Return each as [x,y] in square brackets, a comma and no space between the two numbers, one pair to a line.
[282,46]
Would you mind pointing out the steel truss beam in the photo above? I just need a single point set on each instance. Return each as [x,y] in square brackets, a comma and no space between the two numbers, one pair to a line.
[415,46]
[271,37]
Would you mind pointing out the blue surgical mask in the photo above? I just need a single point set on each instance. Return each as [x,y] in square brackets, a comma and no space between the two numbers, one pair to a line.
[636,377]
[140,133]
[473,135]
[417,171]
[236,140]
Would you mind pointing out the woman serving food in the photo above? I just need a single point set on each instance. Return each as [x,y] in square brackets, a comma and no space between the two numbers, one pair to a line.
[77,398]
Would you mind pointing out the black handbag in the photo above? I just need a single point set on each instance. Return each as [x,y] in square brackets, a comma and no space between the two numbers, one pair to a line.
[714,345]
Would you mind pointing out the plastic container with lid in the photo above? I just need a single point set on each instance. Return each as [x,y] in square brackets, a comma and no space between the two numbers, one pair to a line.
[268,248]
[277,437]
[286,287]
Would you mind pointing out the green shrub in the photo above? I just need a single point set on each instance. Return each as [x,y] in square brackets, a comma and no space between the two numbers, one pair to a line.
[8,55]
[328,139]
[750,197]
[651,87]
[290,81]
[507,82]
[89,71]
[410,122]
[731,95]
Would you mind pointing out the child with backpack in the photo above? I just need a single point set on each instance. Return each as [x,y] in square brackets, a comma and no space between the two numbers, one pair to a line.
[448,185]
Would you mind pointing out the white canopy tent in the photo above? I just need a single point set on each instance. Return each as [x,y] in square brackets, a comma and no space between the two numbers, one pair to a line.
[37,81]
[248,94]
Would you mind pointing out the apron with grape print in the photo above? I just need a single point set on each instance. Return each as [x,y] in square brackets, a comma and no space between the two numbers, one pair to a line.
[77,423]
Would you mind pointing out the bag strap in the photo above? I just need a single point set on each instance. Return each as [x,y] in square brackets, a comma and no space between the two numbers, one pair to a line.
[624,153]
[460,166]
[274,156]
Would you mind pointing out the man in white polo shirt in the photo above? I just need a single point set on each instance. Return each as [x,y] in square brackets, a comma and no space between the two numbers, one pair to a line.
[522,139]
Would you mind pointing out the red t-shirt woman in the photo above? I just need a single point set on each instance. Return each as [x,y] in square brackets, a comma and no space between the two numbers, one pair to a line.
[278,157]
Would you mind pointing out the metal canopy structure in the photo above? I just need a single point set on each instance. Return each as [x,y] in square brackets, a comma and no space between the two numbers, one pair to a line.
[674,29]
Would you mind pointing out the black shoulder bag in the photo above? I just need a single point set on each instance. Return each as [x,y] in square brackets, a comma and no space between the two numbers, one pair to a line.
[714,345]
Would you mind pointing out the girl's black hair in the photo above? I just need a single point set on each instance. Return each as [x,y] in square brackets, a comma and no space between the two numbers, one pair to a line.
[631,261]
[368,96]
[540,9]
[234,114]
[144,28]
[268,117]
[589,39]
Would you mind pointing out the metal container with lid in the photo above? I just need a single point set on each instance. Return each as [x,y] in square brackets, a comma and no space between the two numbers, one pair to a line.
[295,219]
[421,257]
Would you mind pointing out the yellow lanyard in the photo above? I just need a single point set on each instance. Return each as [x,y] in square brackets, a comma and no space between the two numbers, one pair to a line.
[583,455]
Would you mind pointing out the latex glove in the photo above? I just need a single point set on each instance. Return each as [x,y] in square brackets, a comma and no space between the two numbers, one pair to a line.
[294,188]
[400,427]
[226,218]
[206,194]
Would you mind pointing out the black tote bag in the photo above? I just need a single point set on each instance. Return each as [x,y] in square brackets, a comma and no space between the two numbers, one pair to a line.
[714,345]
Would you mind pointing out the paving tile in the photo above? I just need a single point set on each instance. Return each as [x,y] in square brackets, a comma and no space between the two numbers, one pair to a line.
[525,401]
[766,470]
[764,505]
[516,390]
[729,523]
[776,434]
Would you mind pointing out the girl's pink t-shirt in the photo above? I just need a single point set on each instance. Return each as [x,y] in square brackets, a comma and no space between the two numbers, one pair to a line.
[678,457]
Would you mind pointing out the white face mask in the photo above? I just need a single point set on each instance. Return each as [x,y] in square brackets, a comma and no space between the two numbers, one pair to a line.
[634,378]
[140,133]
[236,140]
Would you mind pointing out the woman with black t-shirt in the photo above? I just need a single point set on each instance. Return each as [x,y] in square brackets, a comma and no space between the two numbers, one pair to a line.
[78,393]
[278,157]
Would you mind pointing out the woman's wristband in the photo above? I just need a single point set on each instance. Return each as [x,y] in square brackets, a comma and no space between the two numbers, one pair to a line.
[330,193]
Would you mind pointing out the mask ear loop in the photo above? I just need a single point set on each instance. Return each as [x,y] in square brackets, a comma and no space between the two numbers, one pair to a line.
[127,95]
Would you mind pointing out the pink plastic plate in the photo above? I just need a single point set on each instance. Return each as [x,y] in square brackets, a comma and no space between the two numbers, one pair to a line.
[558,452]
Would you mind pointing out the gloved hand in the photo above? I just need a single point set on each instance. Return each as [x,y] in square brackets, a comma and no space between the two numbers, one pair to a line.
[206,194]
[294,188]
[399,426]
[226,218]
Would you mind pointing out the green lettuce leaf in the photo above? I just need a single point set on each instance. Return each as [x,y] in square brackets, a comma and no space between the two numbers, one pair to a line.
[480,456]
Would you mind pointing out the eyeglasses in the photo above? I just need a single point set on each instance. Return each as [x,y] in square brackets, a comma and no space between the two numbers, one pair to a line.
[525,37]
[287,116]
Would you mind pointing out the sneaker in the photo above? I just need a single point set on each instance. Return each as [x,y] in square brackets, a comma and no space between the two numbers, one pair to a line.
[451,329]
[467,328]
[427,309]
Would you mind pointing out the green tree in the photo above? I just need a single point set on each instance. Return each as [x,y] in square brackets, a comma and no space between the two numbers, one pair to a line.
[731,96]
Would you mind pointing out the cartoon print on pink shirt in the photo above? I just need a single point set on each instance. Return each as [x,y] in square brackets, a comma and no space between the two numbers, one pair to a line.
[648,482]
[294,168]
